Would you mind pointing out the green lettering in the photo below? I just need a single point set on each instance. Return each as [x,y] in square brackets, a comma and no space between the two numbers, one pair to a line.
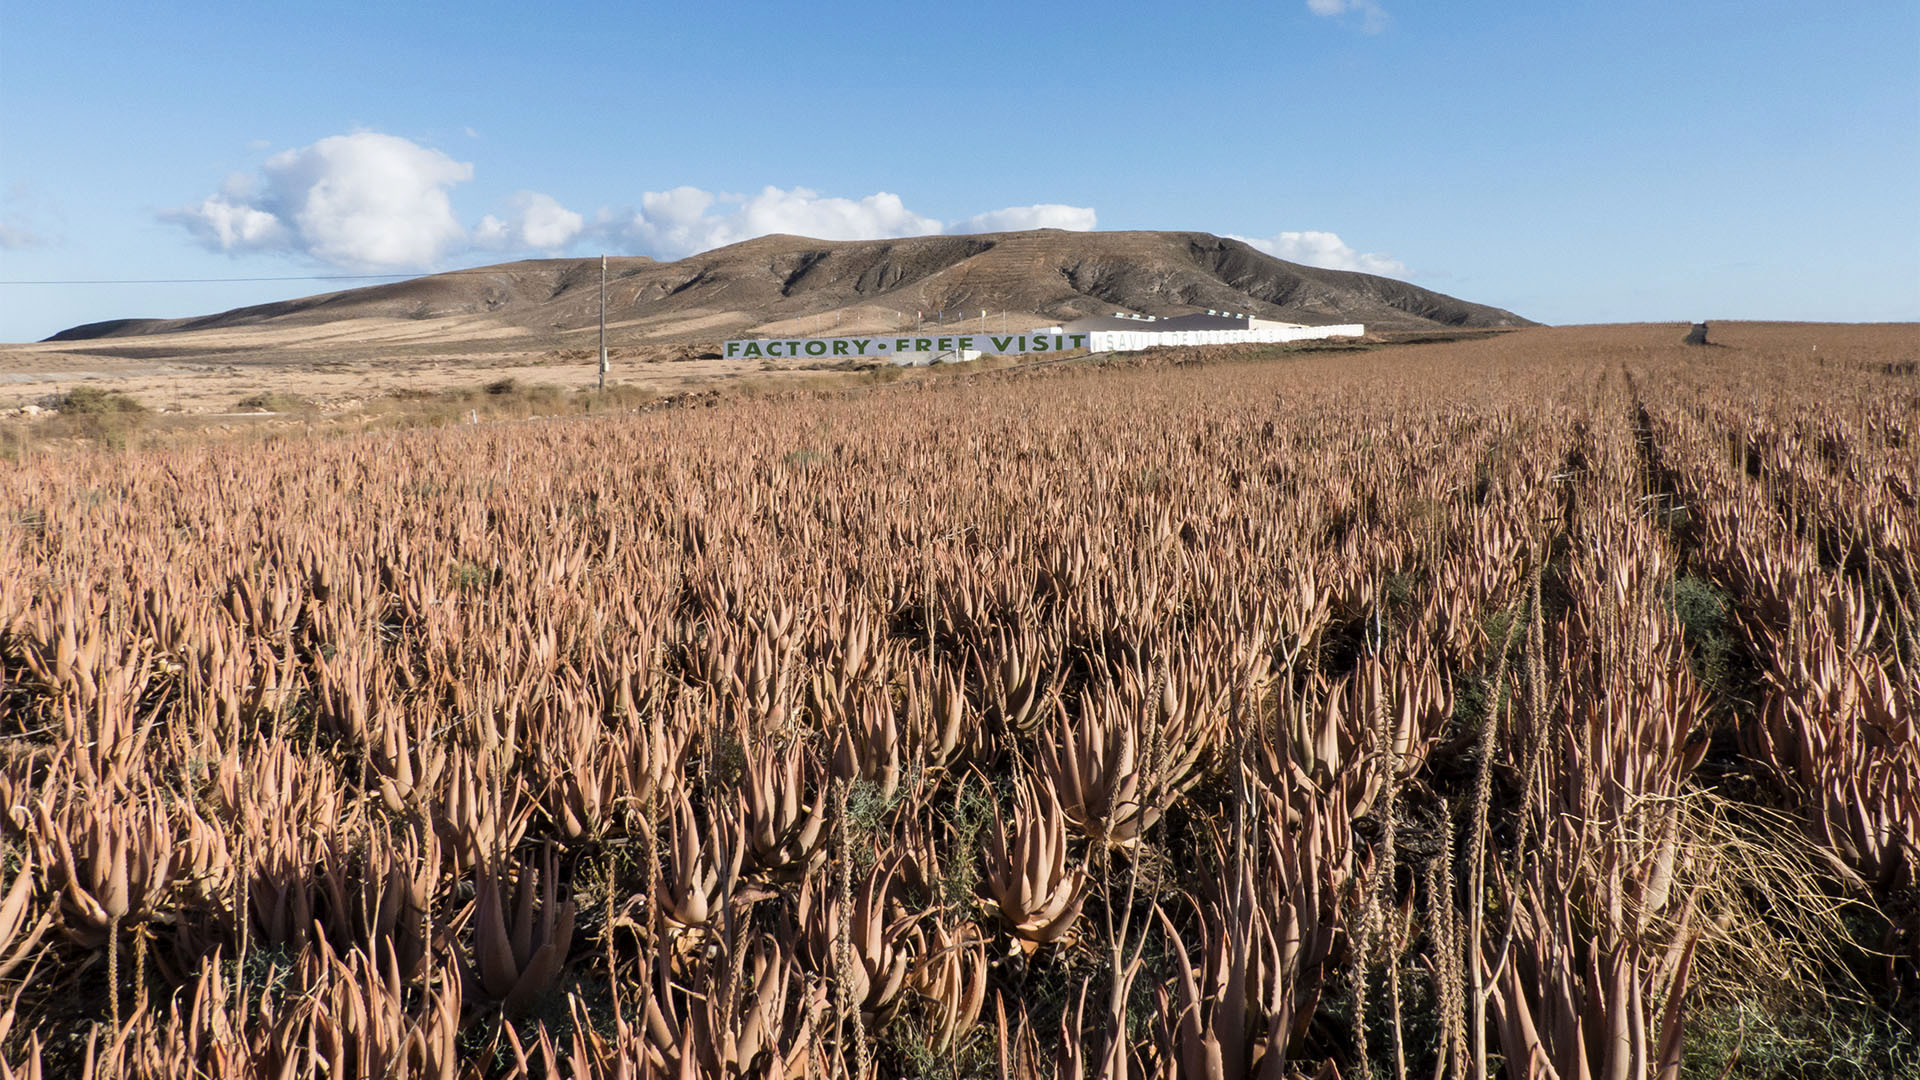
[1000,343]
[1039,344]
[752,349]
[816,348]
[733,349]
[839,347]
[922,344]
[902,345]
[1079,341]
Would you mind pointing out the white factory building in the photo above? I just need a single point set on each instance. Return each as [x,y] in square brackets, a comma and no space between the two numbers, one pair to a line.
[1121,332]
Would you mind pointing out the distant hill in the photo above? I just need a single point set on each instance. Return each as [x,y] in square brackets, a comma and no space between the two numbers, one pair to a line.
[793,285]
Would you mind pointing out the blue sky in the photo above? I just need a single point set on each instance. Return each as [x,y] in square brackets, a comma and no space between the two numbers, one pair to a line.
[1574,162]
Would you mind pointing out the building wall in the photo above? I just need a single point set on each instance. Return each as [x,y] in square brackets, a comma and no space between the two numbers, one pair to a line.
[928,359]
[1135,340]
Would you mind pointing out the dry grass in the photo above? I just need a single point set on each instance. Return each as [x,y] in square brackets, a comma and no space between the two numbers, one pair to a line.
[1209,719]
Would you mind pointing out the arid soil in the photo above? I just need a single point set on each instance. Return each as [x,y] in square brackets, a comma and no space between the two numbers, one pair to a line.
[343,366]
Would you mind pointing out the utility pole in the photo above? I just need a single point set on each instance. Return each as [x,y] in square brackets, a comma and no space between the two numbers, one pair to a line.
[603,322]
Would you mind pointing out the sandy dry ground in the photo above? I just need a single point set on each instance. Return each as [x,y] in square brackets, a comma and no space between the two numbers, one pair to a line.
[343,364]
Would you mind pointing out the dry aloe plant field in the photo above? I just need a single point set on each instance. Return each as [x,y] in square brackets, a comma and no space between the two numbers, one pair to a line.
[1537,707]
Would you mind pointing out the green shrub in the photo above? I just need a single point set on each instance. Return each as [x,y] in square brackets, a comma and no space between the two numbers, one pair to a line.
[1845,1041]
[1699,605]
[1703,611]
[107,417]
[93,401]
[469,576]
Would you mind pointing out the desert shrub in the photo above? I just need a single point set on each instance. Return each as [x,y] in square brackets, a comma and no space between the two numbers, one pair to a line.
[274,401]
[612,396]
[107,417]
[93,401]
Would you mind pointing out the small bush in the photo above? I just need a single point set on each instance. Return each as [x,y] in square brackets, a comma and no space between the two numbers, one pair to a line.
[615,396]
[1851,1042]
[93,401]
[1699,605]
[1702,610]
[274,402]
[107,417]
[470,576]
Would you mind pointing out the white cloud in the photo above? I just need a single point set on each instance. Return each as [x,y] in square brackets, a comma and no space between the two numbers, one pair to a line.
[1020,218]
[807,213]
[225,224]
[361,201]
[686,220]
[1324,249]
[680,222]
[1373,18]
[536,221]
[380,202]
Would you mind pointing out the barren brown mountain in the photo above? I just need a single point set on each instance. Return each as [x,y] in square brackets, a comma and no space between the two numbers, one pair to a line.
[537,320]
[791,284]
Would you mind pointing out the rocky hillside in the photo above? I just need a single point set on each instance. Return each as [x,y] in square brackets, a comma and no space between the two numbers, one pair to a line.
[790,284]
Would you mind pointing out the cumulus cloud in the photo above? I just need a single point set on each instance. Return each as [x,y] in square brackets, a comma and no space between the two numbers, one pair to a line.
[534,221]
[1373,18]
[1324,249]
[225,224]
[380,202]
[363,201]
[688,220]
[1019,218]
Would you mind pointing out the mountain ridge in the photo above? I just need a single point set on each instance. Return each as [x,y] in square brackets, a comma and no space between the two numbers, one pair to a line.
[790,284]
